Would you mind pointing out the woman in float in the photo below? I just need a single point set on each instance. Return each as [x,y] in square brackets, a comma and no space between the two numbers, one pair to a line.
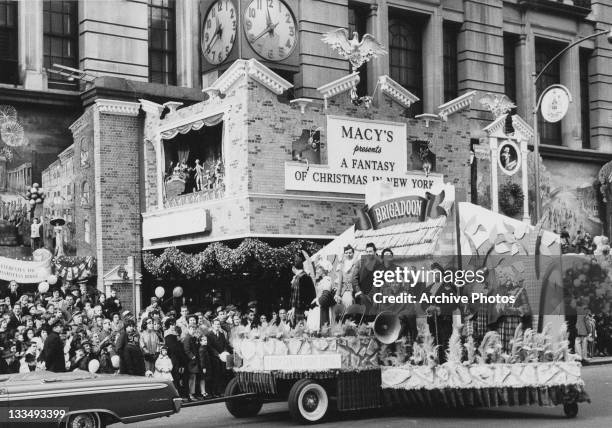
[344,291]
[514,314]
[324,297]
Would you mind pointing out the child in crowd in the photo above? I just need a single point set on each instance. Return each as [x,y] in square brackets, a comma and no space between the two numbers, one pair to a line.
[163,365]
[205,365]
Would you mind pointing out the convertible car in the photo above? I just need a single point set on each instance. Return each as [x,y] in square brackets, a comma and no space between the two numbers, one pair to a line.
[82,399]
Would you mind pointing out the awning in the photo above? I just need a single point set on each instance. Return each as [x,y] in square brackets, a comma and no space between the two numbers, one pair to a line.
[192,126]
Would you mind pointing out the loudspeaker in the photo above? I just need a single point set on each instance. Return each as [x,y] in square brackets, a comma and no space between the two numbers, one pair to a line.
[387,327]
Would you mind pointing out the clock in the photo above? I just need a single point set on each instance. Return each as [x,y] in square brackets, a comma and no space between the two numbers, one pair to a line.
[270,29]
[219,31]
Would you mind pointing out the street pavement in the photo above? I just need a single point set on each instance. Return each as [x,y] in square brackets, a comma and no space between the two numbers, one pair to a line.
[598,413]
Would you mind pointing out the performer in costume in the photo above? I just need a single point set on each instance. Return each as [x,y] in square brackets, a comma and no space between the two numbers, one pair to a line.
[324,299]
[302,291]
[363,278]
[513,315]
[344,290]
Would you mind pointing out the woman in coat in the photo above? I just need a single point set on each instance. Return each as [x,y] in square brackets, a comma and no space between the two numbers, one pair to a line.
[176,352]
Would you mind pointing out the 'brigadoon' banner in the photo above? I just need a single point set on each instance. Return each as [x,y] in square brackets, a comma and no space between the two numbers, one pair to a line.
[23,271]
[405,209]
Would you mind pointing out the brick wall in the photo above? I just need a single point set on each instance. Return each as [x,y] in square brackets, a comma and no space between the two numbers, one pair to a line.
[116,157]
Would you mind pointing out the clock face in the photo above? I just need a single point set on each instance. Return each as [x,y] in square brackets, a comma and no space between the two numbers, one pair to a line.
[219,31]
[270,29]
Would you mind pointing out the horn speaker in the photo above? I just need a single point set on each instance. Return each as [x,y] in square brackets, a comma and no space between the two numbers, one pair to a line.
[387,327]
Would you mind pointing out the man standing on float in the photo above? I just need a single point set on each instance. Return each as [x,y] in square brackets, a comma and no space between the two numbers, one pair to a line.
[363,278]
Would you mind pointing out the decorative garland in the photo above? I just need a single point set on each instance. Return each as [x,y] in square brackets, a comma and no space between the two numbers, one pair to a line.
[251,256]
[74,268]
[511,199]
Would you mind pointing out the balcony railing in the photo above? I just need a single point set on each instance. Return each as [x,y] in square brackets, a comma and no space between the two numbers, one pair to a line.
[195,197]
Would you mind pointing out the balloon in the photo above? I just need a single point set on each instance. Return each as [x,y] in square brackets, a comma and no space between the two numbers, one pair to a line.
[93,366]
[159,292]
[115,360]
[177,292]
[43,287]
[33,190]
[39,201]
[32,202]
[40,191]
[36,185]
[52,280]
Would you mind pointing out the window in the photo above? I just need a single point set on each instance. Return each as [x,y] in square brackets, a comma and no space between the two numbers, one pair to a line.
[60,38]
[8,42]
[162,42]
[406,55]
[451,86]
[85,194]
[585,100]
[357,21]
[510,66]
[550,133]
[86,236]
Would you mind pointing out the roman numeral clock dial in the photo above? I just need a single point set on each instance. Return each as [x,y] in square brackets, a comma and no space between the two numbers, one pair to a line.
[270,29]
[219,31]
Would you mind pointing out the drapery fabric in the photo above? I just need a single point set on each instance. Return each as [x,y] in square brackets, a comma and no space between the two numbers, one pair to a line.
[192,126]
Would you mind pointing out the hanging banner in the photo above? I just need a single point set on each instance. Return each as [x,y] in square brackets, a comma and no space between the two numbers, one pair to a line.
[23,271]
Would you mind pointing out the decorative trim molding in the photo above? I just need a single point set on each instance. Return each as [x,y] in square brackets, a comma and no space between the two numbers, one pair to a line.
[230,76]
[302,103]
[338,86]
[255,70]
[522,130]
[428,117]
[267,77]
[462,102]
[150,107]
[396,92]
[497,127]
[118,108]
[172,106]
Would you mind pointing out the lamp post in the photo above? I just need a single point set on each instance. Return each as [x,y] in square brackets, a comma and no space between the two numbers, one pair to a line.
[536,135]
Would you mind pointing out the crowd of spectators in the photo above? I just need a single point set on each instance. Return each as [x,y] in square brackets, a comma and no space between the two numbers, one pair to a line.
[78,328]
[582,243]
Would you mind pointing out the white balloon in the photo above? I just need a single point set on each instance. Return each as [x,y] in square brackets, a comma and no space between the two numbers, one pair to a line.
[115,360]
[52,280]
[159,292]
[43,287]
[93,366]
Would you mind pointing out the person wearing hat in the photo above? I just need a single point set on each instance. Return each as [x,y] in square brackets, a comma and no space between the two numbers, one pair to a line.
[344,285]
[4,368]
[324,298]
[128,349]
[106,364]
[163,365]
[302,291]
[53,348]
[12,363]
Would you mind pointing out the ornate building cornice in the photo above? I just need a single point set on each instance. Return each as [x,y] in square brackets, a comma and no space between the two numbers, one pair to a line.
[118,108]
[338,86]
[255,70]
[396,92]
[522,130]
[497,128]
[462,102]
[150,107]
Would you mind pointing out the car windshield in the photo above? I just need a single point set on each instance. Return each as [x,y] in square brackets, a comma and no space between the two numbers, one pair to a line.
[46,376]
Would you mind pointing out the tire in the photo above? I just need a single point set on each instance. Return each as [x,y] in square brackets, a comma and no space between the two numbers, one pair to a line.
[308,402]
[241,407]
[570,410]
[84,420]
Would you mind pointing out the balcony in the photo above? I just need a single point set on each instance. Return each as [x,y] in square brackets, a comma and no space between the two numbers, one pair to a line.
[194,197]
[580,8]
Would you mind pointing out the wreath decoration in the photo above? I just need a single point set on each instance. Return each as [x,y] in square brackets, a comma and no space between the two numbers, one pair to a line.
[511,198]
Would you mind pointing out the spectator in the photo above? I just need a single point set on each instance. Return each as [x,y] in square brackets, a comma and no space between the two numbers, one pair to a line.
[205,365]
[150,343]
[190,345]
[219,348]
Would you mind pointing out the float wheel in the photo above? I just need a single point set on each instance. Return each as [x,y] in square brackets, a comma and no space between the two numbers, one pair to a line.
[244,407]
[308,402]
[570,410]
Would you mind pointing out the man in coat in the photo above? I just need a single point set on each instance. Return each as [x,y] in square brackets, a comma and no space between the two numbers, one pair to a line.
[302,291]
[190,346]
[218,346]
[128,349]
[176,352]
[53,349]
[363,277]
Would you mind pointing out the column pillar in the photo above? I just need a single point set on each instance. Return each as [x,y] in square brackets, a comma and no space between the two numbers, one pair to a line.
[571,125]
[187,44]
[525,66]
[159,153]
[378,26]
[433,63]
[524,179]
[30,29]
[494,185]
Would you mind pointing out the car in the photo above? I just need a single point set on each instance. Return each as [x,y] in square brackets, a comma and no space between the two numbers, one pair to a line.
[83,399]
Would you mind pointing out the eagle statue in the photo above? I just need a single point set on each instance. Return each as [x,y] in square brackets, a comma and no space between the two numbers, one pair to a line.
[357,52]
[497,104]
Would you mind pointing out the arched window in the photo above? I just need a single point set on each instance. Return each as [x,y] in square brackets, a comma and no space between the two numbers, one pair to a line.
[87,231]
[85,193]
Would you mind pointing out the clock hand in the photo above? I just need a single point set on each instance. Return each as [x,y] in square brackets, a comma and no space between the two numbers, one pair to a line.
[268,29]
[215,36]
[268,18]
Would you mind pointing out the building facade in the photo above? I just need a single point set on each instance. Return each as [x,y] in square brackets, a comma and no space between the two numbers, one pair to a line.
[161,51]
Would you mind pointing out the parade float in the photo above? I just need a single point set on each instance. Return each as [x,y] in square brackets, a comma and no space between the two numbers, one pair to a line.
[353,365]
